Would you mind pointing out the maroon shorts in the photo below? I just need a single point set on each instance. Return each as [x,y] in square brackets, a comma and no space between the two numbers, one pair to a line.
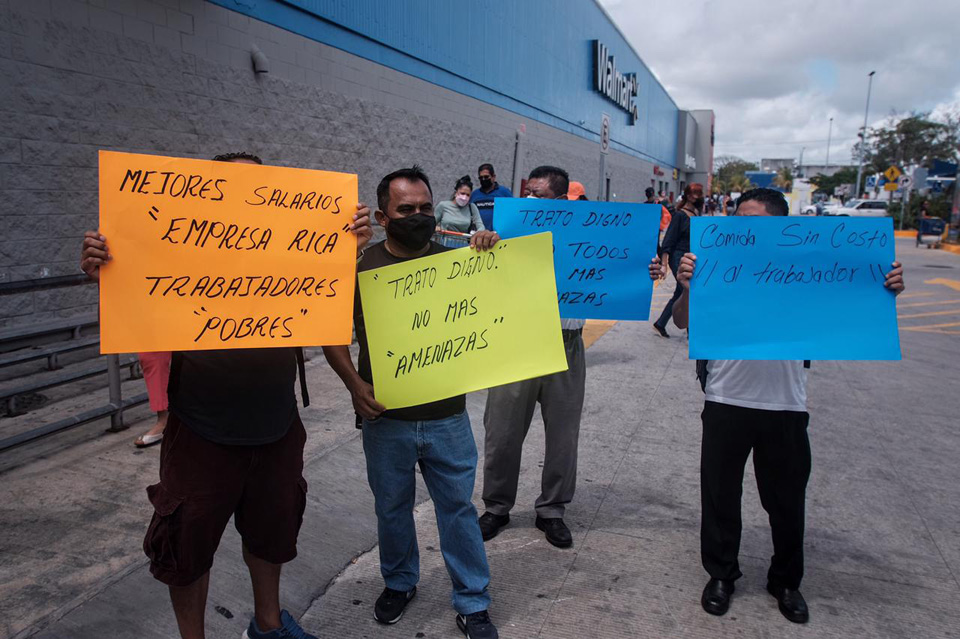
[203,484]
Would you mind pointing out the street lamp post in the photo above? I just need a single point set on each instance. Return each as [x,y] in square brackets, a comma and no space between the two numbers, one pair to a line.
[863,136]
[829,135]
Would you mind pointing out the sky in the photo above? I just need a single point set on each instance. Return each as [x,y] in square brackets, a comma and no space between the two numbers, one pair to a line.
[775,72]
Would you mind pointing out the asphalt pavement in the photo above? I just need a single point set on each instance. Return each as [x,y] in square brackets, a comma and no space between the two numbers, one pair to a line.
[883,522]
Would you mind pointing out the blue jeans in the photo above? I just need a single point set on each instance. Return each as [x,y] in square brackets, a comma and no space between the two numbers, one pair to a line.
[447,456]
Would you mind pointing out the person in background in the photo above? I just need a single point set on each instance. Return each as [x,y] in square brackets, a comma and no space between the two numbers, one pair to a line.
[676,242]
[233,449]
[459,213]
[489,190]
[759,406]
[665,215]
[576,191]
[435,438]
[156,374]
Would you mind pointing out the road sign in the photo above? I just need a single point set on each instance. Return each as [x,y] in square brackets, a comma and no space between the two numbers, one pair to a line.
[605,134]
[892,173]
[905,181]
[871,181]
[891,186]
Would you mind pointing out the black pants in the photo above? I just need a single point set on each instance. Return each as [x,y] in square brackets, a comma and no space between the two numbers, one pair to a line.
[677,292]
[781,460]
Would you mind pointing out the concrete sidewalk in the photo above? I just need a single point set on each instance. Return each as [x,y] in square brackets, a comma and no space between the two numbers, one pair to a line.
[883,533]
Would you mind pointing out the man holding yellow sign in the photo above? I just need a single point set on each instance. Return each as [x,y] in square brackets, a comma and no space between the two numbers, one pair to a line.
[182,231]
[433,324]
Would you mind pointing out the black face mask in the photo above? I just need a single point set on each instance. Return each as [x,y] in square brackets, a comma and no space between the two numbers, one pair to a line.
[412,232]
[698,204]
[486,183]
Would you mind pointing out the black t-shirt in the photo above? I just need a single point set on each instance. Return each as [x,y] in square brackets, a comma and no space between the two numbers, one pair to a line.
[375,257]
[676,241]
[239,396]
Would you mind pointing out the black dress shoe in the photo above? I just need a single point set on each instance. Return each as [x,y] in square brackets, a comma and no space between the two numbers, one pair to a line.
[556,531]
[716,596]
[491,524]
[790,602]
[661,330]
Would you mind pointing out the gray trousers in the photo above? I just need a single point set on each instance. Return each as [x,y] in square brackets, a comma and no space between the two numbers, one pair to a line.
[506,421]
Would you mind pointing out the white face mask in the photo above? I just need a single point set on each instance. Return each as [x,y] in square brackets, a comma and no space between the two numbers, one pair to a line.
[461,199]
[532,197]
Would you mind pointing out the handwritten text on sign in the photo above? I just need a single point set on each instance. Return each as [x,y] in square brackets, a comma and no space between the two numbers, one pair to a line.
[211,255]
[461,321]
[792,288]
[602,252]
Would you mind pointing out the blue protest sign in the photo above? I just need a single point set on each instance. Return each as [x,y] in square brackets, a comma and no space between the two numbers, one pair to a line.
[792,288]
[601,251]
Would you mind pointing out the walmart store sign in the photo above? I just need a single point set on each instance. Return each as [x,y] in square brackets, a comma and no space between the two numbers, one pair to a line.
[619,88]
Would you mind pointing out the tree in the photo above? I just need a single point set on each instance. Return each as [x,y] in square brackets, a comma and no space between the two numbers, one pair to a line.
[784,179]
[740,184]
[909,141]
[728,169]
[718,186]
[729,166]
[827,183]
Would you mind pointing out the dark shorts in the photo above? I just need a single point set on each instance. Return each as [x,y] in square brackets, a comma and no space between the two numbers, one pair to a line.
[203,484]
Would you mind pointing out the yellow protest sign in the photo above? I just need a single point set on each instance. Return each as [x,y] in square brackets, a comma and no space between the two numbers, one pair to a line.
[462,320]
[210,255]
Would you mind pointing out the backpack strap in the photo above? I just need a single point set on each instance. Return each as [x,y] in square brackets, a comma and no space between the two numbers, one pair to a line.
[302,372]
[702,374]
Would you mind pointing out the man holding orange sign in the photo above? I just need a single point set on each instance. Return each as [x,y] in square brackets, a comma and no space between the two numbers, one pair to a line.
[233,445]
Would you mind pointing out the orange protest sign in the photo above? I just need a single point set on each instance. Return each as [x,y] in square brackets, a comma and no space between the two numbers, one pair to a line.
[210,255]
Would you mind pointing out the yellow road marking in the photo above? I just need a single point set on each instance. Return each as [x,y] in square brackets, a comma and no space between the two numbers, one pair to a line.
[594,330]
[933,314]
[954,284]
[929,303]
[914,294]
[930,328]
[938,331]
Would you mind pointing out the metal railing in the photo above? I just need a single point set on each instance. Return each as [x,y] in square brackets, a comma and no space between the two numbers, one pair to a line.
[66,333]
[452,239]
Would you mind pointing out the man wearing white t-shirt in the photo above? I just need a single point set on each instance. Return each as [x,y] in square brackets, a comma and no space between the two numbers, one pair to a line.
[759,406]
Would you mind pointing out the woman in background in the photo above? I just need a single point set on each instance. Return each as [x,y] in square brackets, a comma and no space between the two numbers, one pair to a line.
[458,213]
[156,373]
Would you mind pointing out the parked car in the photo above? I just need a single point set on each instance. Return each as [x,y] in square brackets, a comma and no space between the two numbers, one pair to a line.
[863,208]
[821,208]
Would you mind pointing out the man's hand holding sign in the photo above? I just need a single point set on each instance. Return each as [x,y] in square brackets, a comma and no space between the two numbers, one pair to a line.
[212,255]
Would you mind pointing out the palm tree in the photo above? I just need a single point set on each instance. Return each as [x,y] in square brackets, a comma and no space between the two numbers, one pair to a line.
[718,186]
[784,179]
[740,184]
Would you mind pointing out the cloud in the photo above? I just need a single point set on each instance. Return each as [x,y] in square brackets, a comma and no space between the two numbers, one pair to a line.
[776,72]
